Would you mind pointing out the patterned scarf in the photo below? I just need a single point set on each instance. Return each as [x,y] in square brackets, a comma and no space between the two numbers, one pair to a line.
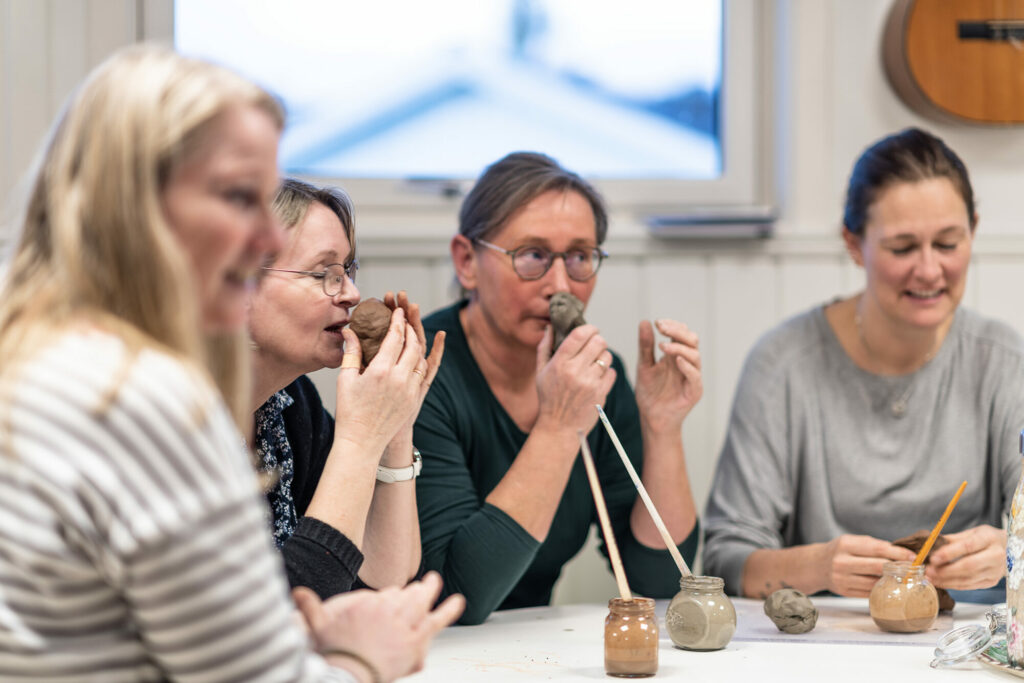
[275,455]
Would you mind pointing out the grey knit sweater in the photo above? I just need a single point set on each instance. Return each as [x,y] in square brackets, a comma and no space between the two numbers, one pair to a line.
[817,447]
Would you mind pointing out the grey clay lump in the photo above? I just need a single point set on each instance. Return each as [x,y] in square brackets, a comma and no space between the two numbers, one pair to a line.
[791,611]
[566,315]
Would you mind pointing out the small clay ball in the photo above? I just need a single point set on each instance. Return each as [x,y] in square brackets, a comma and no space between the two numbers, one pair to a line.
[370,321]
[791,611]
[566,315]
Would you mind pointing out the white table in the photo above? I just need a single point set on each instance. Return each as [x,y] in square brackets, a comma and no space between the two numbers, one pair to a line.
[566,643]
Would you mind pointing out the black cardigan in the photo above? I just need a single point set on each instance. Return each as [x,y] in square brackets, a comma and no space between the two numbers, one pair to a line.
[316,555]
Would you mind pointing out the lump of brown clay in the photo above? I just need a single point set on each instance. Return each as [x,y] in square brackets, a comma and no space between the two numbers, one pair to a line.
[791,611]
[370,321]
[566,315]
[913,543]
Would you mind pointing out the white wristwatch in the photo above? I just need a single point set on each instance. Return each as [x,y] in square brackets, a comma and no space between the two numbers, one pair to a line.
[390,475]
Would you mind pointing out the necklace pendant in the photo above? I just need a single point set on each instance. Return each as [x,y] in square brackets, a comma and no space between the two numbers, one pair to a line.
[899,407]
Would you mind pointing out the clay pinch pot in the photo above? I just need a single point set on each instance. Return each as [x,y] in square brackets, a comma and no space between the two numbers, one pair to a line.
[913,543]
[791,611]
[566,313]
[370,321]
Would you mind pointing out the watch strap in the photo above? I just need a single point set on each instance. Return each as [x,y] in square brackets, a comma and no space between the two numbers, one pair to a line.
[390,475]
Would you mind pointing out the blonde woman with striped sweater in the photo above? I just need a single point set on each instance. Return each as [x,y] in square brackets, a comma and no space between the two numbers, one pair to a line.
[133,542]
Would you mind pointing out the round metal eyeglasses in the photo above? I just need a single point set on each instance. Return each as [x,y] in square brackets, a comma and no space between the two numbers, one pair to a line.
[332,277]
[532,262]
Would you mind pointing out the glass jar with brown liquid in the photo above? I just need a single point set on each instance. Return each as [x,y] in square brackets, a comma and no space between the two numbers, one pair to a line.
[631,638]
[903,600]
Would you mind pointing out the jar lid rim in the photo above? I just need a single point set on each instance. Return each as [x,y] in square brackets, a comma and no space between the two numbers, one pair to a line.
[701,581]
[960,645]
[637,602]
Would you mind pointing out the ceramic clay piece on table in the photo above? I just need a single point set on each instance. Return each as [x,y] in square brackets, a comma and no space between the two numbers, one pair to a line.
[631,638]
[791,611]
[566,313]
[913,543]
[700,616]
[903,600]
[370,321]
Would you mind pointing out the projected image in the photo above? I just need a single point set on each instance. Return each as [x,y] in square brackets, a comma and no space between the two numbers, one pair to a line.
[404,89]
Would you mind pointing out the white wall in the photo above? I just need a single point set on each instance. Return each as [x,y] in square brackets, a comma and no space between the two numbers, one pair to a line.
[827,98]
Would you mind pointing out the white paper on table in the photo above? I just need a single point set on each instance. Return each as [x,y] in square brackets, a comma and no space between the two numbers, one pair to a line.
[845,621]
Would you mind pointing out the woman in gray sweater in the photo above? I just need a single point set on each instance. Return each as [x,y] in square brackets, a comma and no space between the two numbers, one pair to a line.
[854,422]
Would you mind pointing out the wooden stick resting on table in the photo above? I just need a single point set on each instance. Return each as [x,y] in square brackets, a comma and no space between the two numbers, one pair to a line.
[602,515]
[662,529]
[923,552]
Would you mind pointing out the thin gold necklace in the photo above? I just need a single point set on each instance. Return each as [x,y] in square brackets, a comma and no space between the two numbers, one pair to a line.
[899,405]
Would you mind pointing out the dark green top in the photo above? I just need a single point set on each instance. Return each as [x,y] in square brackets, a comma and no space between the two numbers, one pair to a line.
[468,443]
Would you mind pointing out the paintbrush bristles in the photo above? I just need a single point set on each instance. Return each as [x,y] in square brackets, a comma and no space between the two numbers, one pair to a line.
[658,522]
[602,515]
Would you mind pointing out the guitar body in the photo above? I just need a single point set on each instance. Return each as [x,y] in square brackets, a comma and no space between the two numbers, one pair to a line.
[958,60]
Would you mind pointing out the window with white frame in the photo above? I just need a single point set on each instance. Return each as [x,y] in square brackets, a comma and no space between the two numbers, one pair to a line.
[653,100]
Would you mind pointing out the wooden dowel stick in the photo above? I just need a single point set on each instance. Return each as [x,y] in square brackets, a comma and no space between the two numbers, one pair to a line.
[923,552]
[602,515]
[662,529]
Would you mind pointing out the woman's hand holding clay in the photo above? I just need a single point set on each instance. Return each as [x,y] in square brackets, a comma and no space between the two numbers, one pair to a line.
[370,321]
[667,389]
[573,380]
[390,629]
[433,361]
[397,453]
[851,565]
[374,404]
[975,558]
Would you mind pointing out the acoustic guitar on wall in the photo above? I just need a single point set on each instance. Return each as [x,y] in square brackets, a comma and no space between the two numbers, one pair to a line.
[958,60]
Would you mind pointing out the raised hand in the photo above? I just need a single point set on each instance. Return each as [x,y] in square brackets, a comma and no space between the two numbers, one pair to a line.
[429,367]
[667,388]
[373,405]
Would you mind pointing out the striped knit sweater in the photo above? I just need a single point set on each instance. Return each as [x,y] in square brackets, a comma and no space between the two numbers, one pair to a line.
[133,539]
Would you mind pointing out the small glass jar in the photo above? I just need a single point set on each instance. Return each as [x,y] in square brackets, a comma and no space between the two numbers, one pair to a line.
[700,616]
[903,600]
[631,638]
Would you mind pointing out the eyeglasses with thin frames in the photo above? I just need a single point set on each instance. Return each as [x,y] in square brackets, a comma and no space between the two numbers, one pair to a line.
[332,277]
[532,262]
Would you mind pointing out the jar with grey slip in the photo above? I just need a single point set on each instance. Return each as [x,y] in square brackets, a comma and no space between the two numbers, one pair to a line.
[700,616]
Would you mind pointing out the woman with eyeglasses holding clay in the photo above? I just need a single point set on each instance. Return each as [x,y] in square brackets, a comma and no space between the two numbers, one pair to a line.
[503,499]
[344,497]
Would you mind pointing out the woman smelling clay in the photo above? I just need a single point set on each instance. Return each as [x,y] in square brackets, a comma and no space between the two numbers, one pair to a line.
[344,501]
[503,499]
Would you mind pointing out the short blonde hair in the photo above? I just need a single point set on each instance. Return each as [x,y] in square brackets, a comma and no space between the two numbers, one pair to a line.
[94,244]
[295,196]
